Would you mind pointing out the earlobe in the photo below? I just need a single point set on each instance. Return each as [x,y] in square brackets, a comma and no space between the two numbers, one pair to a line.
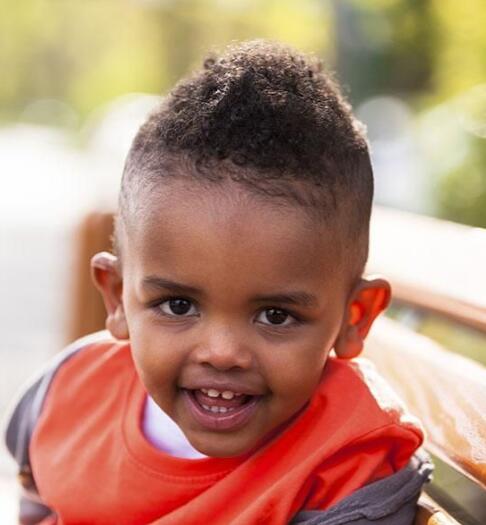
[107,277]
[368,299]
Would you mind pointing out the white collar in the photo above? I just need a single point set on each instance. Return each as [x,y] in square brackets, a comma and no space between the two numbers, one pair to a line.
[162,432]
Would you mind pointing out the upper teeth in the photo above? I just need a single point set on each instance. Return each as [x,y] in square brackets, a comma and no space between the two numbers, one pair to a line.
[227,394]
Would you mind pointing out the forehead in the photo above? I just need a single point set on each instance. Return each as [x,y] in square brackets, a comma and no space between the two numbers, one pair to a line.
[203,232]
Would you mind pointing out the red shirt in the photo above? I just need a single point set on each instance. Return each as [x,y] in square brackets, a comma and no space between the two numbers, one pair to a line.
[92,464]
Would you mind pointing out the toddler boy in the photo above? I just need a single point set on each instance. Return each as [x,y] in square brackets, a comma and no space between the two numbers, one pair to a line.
[226,392]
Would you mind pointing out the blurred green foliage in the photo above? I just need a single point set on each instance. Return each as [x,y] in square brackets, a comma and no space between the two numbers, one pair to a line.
[87,53]
[84,54]
[461,195]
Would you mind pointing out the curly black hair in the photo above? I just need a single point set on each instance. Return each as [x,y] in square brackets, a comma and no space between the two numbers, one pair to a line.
[269,118]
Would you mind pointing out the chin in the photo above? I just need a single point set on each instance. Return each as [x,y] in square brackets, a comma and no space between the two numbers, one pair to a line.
[224,451]
[215,452]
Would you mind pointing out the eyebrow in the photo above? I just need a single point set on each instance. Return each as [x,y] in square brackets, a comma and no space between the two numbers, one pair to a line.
[159,283]
[292,298]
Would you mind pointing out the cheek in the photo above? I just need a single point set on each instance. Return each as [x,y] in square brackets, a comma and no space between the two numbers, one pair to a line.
[156,356]
[297,371]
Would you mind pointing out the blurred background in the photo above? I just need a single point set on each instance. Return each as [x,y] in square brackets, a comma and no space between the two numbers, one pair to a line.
[78,78]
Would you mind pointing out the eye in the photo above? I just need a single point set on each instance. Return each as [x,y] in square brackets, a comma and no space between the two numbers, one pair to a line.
[275,317]
[178,306]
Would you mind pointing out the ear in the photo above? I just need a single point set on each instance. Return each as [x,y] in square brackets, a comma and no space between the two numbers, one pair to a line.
[368,299]
[107,277]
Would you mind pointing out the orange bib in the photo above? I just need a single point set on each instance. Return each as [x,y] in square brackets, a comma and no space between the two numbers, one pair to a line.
[92,464]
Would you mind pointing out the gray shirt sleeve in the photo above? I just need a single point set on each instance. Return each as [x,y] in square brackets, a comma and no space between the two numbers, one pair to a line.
[21,424]
[389,501]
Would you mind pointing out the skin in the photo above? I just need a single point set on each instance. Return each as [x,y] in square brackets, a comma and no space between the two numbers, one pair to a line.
[270,296]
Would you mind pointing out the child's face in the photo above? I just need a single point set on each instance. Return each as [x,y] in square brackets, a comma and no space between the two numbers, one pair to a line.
[227,292]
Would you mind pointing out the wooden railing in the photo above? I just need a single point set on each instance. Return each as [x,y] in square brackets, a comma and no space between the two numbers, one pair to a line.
[447,392]
[434,265]
[86,309]
[436,268]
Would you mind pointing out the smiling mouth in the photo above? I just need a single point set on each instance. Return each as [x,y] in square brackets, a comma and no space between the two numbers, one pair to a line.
[217,413]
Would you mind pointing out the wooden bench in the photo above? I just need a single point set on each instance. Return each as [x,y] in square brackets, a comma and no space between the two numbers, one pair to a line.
[435,268]
[438,277]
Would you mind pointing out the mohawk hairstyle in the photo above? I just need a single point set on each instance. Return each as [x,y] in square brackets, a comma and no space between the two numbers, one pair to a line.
[269,118]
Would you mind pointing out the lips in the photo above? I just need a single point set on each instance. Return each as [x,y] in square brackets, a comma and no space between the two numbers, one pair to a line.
[235,412]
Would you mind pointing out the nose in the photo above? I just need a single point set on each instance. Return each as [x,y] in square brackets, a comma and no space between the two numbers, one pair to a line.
[224,348]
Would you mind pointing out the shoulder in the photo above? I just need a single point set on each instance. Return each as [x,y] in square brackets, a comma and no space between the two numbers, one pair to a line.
[77,360]
[364,421]
[26,410]
[389,501]
[368,392]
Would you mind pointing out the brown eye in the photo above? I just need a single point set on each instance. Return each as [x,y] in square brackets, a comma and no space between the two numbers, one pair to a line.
[178,306]
[274,316]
